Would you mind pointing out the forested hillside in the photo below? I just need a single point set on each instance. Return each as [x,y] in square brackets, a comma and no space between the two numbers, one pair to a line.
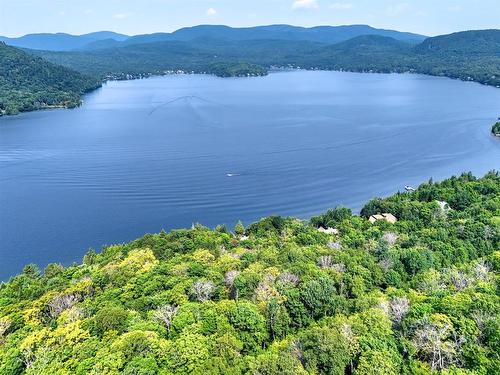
[470,55]
[277,297]
[28,83]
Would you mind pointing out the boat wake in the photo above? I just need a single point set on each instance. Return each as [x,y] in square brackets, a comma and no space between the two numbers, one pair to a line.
[181,98]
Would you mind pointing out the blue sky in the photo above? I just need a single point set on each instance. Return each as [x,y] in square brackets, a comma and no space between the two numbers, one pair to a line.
[430,17]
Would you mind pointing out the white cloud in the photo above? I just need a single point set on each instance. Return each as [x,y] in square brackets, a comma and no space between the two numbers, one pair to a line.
[211,12]
[340,6]
[120,16]
[304,4]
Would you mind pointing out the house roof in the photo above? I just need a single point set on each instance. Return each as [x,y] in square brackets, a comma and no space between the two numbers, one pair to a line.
[385,216]
[328,230]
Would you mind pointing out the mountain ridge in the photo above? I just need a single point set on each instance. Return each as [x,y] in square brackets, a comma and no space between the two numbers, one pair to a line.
[322,34]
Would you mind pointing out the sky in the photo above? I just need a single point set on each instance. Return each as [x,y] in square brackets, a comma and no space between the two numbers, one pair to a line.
[428,17]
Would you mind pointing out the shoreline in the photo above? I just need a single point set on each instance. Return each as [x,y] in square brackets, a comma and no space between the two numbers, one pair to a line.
[270,70]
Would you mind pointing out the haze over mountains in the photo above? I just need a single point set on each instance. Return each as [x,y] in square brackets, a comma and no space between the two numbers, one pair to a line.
[107,39]
[61,41]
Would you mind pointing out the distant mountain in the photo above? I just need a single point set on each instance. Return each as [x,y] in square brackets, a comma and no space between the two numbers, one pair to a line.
[28,82]
[320,34]
[108,39]
[60,41]
[102,35]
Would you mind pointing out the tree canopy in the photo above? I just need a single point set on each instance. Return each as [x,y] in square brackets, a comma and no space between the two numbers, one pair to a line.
[419,296]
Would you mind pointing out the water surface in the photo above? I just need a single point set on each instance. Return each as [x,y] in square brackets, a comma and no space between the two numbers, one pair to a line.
[143,155]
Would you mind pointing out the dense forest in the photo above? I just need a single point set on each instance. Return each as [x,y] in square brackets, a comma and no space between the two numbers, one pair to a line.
[237,70]
[28,83]
[339,294]
[469,55]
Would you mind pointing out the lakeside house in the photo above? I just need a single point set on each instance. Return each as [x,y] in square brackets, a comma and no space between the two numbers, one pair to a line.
[385,216]
[328,230]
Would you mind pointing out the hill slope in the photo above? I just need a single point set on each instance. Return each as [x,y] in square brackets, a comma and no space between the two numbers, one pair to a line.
[279,297]
[197,56]
[28,82]
[471,55]
[465,42]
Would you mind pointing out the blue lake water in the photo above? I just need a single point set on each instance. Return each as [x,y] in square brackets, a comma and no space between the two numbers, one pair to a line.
[143,155]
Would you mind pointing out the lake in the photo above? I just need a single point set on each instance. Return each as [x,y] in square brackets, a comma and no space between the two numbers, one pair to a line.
[143,155]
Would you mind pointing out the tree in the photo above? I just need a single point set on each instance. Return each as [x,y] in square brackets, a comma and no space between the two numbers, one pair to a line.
[324,351]
[378,362]
[4,327]
[53,270]
[320,297]
[331,217]
[239,229]
[166,314]
[141,366]
[110,318]
[288,278]
[436,342]
[188,354]
[203,290]
[249,324]
[280,363]
[278,320]
[398,308]
[32,271]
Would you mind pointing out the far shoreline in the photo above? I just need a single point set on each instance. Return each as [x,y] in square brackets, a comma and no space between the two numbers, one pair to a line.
[271,70]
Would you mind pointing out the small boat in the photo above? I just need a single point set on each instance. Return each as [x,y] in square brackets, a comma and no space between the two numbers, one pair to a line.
[409,188]
[232,174]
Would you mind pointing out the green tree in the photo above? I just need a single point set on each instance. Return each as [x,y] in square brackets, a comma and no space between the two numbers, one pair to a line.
[324,350]
[110,318]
